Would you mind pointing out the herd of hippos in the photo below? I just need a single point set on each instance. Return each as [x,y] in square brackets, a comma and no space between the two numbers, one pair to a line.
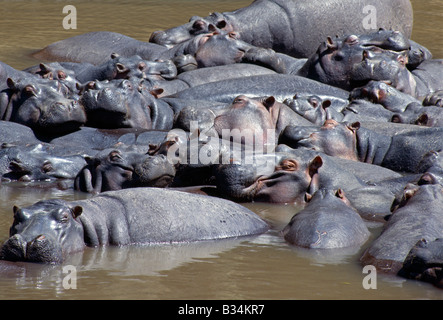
[346,122]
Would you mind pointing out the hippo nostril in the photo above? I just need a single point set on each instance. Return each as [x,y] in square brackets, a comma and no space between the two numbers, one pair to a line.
[14,249]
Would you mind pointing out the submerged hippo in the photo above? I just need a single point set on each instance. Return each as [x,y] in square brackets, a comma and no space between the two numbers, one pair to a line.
[425,262]
[417,217]
[328,221]
[296,27]
[49,230]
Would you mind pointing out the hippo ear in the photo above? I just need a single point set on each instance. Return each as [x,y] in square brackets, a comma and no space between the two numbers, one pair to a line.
[120,67]
[114,55]
[156,92]
[422,120]
[340,193]
[315,164]
[354,126]
[269,102]
[11,84]
[76,211]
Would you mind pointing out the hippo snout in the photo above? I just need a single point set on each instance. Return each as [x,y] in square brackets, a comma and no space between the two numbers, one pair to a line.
[40,249]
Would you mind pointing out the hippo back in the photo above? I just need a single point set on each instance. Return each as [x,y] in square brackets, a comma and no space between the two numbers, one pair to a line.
[151,215]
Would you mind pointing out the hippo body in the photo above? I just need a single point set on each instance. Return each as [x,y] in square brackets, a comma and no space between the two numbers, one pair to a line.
[327,222]
[97,47]
[419,216]
[49,230]
[424,262]
[278,85]
[308,23]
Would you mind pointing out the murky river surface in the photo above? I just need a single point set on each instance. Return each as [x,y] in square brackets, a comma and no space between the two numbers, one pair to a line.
[262,267]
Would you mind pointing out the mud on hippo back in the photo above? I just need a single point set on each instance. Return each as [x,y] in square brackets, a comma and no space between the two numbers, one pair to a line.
[297,27]
[49,230]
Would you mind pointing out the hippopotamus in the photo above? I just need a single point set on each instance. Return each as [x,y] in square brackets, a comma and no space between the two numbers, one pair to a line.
[123,103]
[98,139]
[280,86]
[383,93]
[38,104]
[424,262]
[297,27]
[328,221]
[398,151]
[257,121]
[118,67]
[15,133]
[404,228]
[38,162]
[49,230]
[317,109]
[56,71]
[115,169]
[98,47]
[286,176]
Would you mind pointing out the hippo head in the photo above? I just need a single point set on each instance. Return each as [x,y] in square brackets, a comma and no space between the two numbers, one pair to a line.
[196,25]
[334,61]
[117,104]
[424,262]
[32,163]
[44,232]
[65,77]
[383,65]
[332,138]
[253,120]
[219,48]
[312,108]
[288,181]
[135,67]
[115,169]
[37,104]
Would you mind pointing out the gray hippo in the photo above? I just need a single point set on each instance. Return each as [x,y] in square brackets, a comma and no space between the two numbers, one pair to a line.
[49,230]
[327,222]
[424,262]
[38,104]
[297,27]
[399,151]
[114,169]
[417,217]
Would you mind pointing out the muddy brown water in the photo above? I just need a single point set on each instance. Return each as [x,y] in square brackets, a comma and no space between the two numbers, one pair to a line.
[261,267]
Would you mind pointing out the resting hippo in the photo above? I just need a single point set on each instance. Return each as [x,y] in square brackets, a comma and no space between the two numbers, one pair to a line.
[280,86]
[113,169]
[38,105]
[258,121]
[327,222]
[398,151]
[424,262]
[419,216]
[308,22]
[49,230]
[38,162]
[123,103]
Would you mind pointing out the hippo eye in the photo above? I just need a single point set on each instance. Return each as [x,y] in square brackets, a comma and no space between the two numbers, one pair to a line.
[142,66]
[63,217]
[47,166]
[115,156]
[288,165]
[61,75]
